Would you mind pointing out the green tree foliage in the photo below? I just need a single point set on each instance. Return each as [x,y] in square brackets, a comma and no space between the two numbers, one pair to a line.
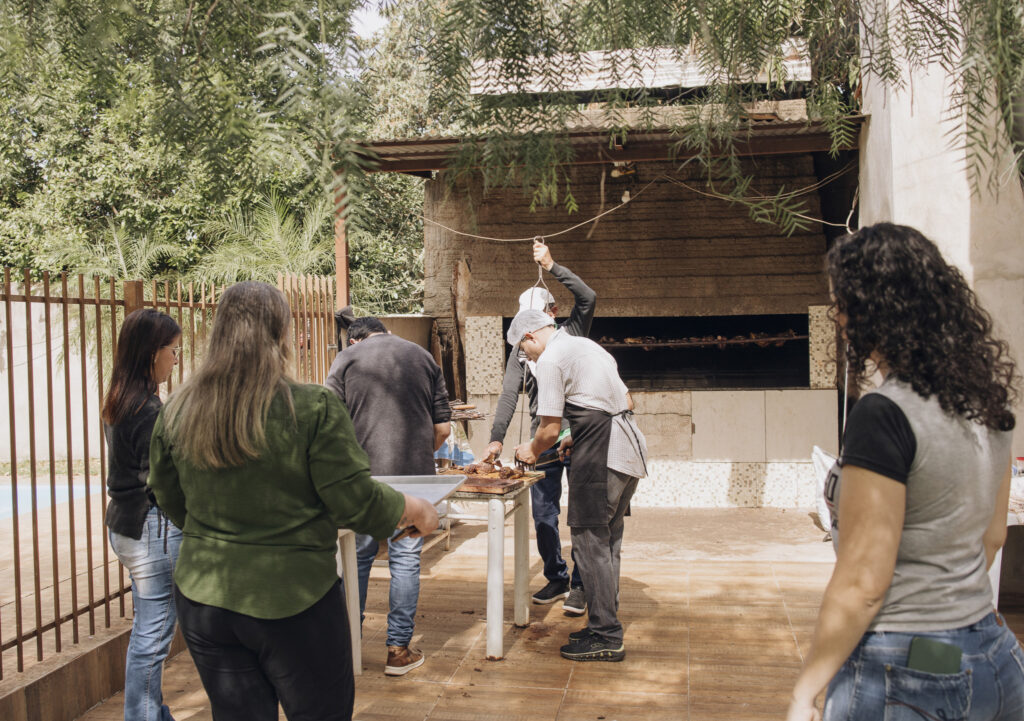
[79,165]
[536,49]
[163,116]
[259,244]
[386,249]
[386,226]
[114,253]
[216,135]
[158,120]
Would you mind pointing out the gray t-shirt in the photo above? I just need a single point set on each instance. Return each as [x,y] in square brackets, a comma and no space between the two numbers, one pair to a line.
[953,469]
[579,371]
[395,393]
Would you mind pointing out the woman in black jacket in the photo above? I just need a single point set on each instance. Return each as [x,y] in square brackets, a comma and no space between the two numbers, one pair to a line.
[147,545]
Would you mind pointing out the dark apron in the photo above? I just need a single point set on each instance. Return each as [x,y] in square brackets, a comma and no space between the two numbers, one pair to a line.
[588,482]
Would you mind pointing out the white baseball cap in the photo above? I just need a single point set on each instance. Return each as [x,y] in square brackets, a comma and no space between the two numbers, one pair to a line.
[527,321]
[536,298]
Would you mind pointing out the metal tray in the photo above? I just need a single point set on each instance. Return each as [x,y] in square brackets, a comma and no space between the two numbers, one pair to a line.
[430,488]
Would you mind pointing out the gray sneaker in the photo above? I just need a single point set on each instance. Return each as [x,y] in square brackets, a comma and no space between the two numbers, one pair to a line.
[576,603]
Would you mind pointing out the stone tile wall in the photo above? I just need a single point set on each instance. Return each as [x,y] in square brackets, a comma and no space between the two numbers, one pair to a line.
[697,484]
[485,354]
[822,332]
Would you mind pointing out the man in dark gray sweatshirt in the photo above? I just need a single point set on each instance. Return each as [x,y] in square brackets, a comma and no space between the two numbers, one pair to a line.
[546,494]
[398,401]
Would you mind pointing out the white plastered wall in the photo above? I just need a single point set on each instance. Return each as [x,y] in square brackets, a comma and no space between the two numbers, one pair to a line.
[914,171]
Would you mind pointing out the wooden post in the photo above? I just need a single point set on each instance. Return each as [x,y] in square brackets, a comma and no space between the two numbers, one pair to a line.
[133,296]
[341,251]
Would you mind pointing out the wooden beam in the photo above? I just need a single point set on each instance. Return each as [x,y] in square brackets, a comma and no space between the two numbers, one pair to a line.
[342,296]
[638,150]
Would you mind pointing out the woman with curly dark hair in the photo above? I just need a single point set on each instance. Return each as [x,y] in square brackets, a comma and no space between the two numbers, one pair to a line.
[907,628]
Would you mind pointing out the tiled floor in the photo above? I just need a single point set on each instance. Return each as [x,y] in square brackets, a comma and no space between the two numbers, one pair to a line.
[707,639]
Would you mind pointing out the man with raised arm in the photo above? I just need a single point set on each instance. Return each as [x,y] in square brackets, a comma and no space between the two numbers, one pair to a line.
[545,495]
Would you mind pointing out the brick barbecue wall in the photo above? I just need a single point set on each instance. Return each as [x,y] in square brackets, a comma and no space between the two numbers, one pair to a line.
[670,252]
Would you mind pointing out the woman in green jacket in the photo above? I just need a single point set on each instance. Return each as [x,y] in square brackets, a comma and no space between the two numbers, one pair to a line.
[259,472]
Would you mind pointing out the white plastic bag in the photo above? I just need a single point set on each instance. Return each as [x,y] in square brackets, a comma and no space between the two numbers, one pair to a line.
[823,462]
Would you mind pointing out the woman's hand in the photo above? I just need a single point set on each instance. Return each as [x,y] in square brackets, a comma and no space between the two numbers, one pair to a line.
[419,514]
[802,710]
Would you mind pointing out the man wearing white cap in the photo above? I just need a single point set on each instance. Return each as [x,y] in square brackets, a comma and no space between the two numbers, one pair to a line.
[545,495]
[578,380]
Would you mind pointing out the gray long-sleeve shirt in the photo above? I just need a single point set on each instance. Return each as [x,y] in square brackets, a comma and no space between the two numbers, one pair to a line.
[578,324]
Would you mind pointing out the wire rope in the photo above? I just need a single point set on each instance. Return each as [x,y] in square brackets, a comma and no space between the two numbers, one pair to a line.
[663,176]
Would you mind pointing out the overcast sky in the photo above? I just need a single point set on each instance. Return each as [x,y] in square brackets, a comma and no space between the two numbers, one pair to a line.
[367,21]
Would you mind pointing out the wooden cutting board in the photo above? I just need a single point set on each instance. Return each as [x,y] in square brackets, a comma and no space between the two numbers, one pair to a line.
[482,484]
[491,482]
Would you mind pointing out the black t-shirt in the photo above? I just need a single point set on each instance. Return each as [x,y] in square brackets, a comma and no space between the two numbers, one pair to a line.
[879,438]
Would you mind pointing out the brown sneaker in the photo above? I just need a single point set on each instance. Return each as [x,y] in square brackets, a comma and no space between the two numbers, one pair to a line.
[402,660]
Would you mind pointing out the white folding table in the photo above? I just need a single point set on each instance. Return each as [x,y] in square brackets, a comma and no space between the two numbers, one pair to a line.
[432,488]
[498,511]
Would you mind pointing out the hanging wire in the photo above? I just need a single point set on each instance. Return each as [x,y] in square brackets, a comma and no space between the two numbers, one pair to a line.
[723,196]
[853,206]
[718,196]
[548,235]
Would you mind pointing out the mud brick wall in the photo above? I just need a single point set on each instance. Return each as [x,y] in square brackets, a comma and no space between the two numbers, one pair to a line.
[670,252]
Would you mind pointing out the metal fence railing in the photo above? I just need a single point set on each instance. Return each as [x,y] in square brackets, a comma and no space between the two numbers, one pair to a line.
[58,577]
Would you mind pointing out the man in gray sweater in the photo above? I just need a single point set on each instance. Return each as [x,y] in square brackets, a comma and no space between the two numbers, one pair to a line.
[545,495]
[398,401]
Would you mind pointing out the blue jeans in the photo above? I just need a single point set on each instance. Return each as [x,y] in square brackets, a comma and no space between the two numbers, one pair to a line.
[545,498]
[875,685]
[404,564]
[150,561]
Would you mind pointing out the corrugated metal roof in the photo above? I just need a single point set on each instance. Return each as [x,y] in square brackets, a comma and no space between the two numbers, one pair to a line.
[637,68]
[639,121]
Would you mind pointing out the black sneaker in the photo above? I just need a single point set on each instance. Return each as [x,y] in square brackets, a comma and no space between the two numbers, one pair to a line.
[576,602]
[552,592]
[577,636]
[594,648]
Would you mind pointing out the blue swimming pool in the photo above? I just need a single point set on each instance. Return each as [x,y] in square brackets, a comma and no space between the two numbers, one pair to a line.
[43,499]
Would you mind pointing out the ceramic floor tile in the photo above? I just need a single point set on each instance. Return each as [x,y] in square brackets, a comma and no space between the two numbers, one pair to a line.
[549,672]
[732,712]
[506,704]
[707,640]
[438,665]
[631,675]
[621,706]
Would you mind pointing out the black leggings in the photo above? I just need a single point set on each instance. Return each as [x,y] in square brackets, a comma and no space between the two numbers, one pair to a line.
[249,664]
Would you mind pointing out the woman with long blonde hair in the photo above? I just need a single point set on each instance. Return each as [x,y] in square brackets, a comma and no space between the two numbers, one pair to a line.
[260,472]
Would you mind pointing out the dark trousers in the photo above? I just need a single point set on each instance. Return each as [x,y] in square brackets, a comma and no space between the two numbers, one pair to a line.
[545,499]
[247,665]
[597,550]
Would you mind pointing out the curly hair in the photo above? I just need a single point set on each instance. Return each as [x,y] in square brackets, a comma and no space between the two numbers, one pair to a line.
[902,300]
